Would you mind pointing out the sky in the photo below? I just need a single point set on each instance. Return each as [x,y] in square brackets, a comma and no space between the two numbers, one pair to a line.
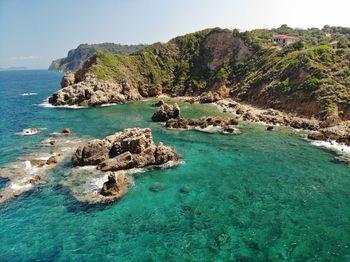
[34,32]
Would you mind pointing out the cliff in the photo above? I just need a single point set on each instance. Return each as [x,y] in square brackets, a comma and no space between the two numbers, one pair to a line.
[308,77]
[76,57]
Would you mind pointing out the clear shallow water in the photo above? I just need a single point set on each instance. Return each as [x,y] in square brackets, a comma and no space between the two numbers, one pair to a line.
[258,196]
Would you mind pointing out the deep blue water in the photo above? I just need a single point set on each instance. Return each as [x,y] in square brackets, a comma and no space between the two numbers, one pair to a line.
[258,196]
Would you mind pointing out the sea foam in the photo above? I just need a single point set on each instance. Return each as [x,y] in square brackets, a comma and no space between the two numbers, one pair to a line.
[46,104]
[333,146]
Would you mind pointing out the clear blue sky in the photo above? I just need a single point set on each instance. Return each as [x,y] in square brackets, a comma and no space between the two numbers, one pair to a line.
[34,32]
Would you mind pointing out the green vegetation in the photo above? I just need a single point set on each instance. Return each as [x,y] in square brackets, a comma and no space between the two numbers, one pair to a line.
[308,72]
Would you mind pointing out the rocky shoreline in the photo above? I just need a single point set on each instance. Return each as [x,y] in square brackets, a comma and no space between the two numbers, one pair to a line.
[30,170]
[317,129]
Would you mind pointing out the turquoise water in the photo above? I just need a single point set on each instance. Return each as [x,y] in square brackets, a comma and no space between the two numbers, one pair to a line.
[258,196]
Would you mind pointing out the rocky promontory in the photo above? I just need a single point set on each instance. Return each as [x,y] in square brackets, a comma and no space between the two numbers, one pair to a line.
[120,152]
[92,92]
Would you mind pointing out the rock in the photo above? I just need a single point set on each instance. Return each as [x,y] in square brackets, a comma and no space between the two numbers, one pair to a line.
[157,187]
[164,154]
[230,130]
[303,123]
[342,159]
[331,119]
[159,103]
[117,185]
[68,79]
[134,147]
[200,122]
[37,162]
[316,136]
[93,153]
[269,128]
[90,91]
[35,180]
[52,160]
[209,97]
[121,162]
[166,112]
[184,190]
[65,131]
[179,123]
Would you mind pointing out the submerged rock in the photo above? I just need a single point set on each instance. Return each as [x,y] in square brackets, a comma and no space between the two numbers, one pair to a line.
[65,131]
[30,169]
[37,162]
[157,187]
[166,112]
[52,160]
[35,180]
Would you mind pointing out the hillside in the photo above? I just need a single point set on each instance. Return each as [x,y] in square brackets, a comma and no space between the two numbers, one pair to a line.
[76,57]
[308,77]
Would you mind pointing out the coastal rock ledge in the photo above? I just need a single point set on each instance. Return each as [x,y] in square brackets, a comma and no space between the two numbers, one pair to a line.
[93,92]
[120,152]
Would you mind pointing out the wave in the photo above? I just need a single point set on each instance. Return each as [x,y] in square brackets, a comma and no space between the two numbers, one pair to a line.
[333,146]
[46,104]
[29,131]
[29,94]
[107,104]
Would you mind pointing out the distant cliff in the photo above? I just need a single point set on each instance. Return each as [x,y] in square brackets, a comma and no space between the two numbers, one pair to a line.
[76,57]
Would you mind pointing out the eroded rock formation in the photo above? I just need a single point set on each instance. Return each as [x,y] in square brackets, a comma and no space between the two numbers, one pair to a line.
[122,151]
[92,92]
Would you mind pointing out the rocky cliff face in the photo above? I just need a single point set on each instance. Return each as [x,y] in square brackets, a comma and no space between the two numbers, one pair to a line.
[77,57]
[304,78]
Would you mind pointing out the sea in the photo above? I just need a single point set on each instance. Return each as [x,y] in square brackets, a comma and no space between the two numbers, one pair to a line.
[257,196]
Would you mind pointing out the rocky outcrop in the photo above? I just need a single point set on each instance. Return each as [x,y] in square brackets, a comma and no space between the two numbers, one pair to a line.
[68,79]
[166,112]
[209,97]
[117,186]
[134,147]
[65,131]
[204,122]
[92,92]
[122,151]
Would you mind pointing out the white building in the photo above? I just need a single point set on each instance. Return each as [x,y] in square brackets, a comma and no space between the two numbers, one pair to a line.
[284,40]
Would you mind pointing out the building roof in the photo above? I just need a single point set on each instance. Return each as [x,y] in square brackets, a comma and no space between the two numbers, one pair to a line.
[286,37]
